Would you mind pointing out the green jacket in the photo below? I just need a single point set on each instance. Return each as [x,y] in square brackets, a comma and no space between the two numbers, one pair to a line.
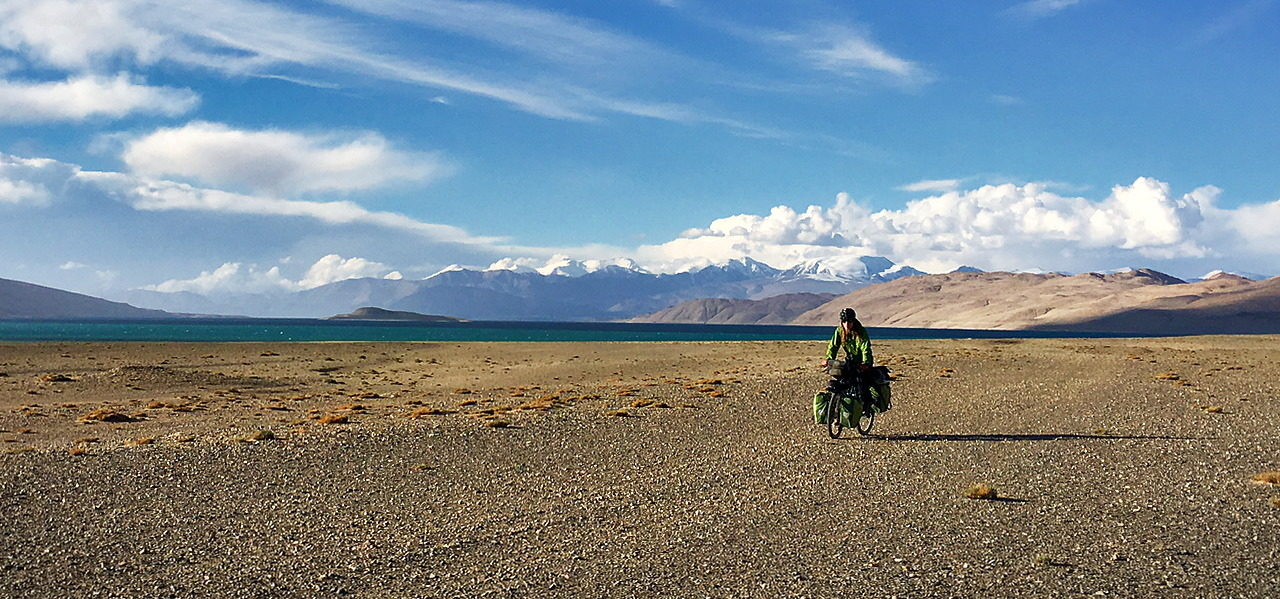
[857,348]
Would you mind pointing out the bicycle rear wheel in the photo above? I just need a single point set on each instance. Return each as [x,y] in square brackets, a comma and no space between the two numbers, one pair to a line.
[868,416]
[834,425]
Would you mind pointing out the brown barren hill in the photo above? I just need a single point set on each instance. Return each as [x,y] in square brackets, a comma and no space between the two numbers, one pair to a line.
[1138,301]
[28,300]
[779,309]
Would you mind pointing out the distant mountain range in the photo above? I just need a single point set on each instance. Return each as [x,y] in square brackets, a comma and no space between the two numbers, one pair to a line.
[779,309]
[27,300]
[740,292]
[1138,301]
[566,290]
[1141,301]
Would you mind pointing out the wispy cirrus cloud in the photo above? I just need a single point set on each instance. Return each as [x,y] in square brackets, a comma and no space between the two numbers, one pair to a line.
[39,183]
[1039,9]
[931,185]
[1238,17]
[846,50]
[535,33]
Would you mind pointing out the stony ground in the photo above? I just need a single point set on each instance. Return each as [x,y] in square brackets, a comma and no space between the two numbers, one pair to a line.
[1122,468]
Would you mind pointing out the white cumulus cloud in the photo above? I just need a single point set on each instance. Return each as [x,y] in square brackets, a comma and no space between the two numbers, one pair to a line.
[995,227]
[32,181]
[237,277]
[276,162]
[88,96]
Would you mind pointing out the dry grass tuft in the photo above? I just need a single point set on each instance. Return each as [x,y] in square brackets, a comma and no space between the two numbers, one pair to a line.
[619,413]
[105,415]
[1168,376]
[469,402]
[255,436]
[1267,478]
[946,373]
[351,407]
[461,391]
[21,450]
[980,491]
[716,393]
[642,403]
[497,423]
[87,440]
[421,412]
[332,419]
[54,377]
[1213,409]
[1275,502]
[77,451]
[141,441]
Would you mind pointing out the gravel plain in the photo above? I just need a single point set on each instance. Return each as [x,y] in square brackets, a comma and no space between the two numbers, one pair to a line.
[1122,467]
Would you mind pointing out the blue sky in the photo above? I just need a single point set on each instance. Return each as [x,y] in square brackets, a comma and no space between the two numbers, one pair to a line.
[155,143]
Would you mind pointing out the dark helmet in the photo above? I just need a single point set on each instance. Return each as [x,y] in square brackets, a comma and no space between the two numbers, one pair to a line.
[848,315]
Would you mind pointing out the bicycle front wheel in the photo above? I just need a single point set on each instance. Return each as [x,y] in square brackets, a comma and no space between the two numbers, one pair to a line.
[834,425]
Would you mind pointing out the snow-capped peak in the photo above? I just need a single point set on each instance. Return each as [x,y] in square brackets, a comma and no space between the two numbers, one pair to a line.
[842,268]
[561,265]
[564,266]
[512,264]
[449,268]
[1252,276]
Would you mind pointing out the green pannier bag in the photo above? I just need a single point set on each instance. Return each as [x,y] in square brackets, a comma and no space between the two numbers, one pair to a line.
[820,407]
[881,395]
[849,409]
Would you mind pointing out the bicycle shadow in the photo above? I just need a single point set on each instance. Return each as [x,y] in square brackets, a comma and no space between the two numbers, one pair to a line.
[1003,437]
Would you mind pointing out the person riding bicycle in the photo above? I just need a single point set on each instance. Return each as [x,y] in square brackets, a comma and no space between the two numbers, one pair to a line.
[852,337]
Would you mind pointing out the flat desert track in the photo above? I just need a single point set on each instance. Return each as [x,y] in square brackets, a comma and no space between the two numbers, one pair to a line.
[1123,468]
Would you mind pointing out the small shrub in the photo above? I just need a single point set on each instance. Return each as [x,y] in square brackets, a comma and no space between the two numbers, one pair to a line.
[619,413]
[1267,478]
[332,419]
[981,491]
[1213,409]
[642,403]
[1167,376]
[54,377]
[461,391]
[497,424]
[256,436]
[105,415]
[142,441]
[77,451]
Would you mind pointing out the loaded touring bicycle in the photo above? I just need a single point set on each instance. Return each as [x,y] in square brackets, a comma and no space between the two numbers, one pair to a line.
[853,398]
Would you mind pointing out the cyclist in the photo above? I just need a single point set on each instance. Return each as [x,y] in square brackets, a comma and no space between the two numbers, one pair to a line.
[851,336]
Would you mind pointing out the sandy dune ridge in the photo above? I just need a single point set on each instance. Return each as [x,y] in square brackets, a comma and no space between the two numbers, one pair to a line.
[1123,468]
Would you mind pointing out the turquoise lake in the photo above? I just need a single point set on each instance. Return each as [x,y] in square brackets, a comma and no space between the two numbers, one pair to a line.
[295,330]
